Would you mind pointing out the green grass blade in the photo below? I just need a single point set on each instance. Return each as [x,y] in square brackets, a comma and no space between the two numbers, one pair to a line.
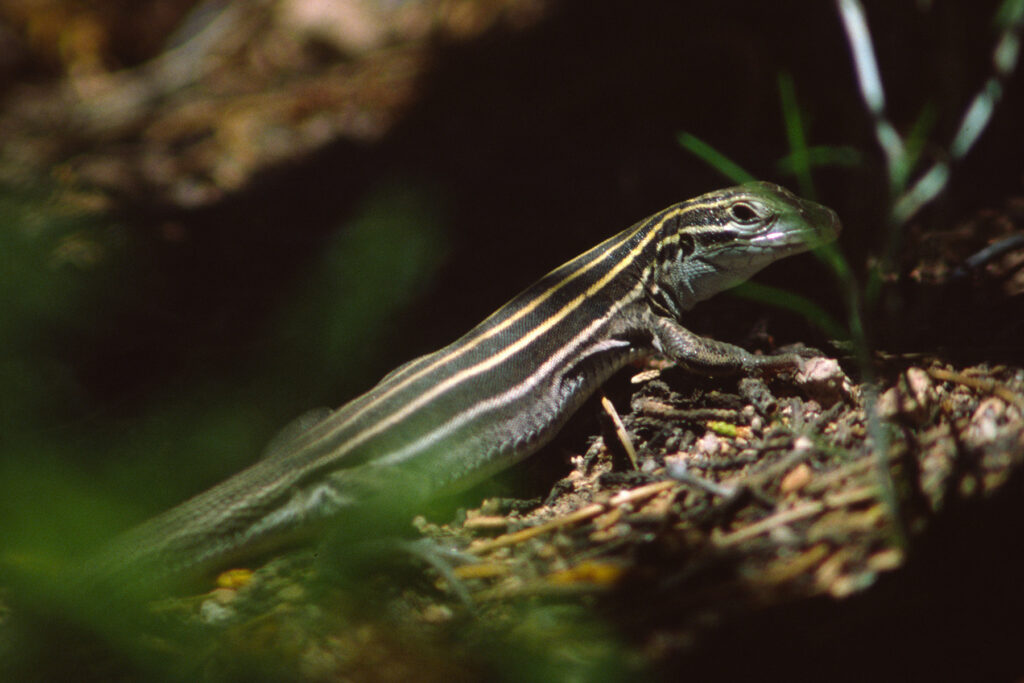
[713,158]
[822,155]
[795,134]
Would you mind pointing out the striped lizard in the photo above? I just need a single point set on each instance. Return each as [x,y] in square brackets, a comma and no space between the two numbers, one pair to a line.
[501,391]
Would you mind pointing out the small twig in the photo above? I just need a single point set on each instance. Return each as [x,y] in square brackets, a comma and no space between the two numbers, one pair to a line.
[822,482]
[993,251]
[982,384]
[987,255]
[768,523]
[772,471]
[681,473]
[589,512]
[654,408]
[620,430]
[583,514]
[645,376]
[837,500]
[539,588]
[852,496]
[641,492]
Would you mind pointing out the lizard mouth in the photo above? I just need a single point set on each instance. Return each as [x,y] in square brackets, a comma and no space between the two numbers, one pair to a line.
[818,225]
[825,221]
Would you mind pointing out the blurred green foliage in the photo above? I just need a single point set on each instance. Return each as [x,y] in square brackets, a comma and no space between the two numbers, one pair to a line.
[72,469]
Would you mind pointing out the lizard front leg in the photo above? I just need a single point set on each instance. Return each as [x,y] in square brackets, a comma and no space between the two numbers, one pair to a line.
[710,357]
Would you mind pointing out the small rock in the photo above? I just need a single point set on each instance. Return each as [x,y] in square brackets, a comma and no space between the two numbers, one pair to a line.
[913,398]
[802,444]
[919,384]
[757,424]
[211,612]
[709,444]
[796,479]
[824,381]
[984,425]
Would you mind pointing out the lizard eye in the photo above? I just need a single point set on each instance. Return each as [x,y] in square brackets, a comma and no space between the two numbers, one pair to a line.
[742,212]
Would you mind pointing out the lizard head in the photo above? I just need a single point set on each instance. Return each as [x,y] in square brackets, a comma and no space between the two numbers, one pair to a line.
[722,238]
